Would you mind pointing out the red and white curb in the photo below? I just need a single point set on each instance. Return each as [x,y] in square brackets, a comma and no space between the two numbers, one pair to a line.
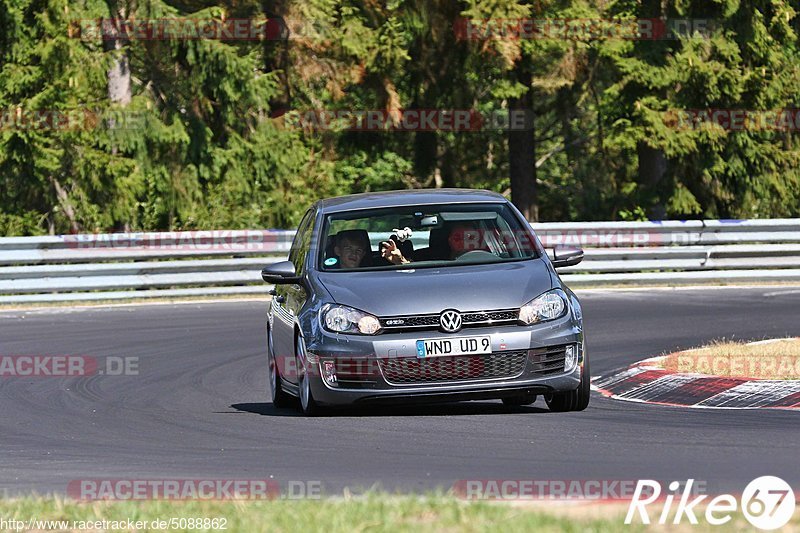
[648,382]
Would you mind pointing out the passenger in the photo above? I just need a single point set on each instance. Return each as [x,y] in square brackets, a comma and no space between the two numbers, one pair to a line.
[350,247]
[462,238]
[396,249]
[391,252]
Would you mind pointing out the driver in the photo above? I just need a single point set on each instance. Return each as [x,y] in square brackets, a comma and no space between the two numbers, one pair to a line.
[463,238]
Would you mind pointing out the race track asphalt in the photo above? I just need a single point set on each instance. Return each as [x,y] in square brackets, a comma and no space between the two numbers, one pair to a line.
[199,406]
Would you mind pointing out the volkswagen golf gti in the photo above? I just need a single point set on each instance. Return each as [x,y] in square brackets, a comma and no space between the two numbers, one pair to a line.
[423,296]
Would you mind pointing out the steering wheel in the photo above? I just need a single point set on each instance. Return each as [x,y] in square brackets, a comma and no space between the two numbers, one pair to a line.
[475,255]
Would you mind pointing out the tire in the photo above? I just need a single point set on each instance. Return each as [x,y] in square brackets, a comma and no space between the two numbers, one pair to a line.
[576,400]
[522,399]
[308,406]
[280,398]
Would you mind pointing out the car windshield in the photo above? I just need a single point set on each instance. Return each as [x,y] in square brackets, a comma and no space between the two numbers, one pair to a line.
[424,236]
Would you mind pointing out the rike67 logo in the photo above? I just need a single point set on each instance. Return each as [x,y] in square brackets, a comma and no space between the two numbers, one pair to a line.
[767,502]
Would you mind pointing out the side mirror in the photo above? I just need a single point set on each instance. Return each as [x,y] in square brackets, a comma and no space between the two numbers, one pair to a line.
[564,256]
[280,272]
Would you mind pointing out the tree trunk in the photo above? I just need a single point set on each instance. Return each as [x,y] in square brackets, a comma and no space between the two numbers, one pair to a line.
[66,205]
[425,156]
[276,54]
[522,150]
[119,75]
[651,171]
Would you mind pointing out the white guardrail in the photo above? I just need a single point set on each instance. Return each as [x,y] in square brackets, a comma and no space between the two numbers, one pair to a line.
[215,263]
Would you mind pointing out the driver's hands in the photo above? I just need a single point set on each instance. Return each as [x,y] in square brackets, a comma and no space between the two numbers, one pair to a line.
[392,253]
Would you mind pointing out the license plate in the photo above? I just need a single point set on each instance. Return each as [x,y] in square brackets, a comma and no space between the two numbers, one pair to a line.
[454,346]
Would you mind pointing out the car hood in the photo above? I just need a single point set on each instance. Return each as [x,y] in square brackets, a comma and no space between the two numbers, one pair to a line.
[431,290]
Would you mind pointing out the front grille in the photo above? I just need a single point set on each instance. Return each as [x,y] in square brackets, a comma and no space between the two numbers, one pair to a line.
[412,371]
[412,321]
[492,316]
[547,361]
[468,319]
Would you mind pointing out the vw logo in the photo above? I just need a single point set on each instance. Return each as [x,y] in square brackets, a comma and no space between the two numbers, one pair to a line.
[450,321]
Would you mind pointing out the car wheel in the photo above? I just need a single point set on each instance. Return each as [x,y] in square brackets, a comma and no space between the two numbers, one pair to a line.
[308,405]
[576,400]
[522,399]
[280,398]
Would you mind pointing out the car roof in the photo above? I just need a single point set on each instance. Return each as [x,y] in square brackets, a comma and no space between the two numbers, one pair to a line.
[372,200]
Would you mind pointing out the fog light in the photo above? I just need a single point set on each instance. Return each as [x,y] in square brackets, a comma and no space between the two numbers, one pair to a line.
[329,372]
[570,357]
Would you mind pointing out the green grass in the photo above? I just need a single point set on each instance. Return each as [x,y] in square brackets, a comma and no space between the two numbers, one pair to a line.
[775,360]
[374,513]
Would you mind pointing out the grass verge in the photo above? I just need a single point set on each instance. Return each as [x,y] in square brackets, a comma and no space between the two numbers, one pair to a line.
[777,359]
[374,513]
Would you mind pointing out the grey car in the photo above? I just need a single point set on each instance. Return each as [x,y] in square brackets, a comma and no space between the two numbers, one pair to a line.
[423,296]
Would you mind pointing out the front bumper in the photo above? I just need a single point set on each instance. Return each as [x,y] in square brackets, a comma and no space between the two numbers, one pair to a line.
[374,382]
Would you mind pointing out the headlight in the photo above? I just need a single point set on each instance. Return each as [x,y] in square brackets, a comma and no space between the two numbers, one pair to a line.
[548,306]
[343,319]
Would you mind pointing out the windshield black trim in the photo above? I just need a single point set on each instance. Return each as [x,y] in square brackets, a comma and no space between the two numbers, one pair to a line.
[523,225]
